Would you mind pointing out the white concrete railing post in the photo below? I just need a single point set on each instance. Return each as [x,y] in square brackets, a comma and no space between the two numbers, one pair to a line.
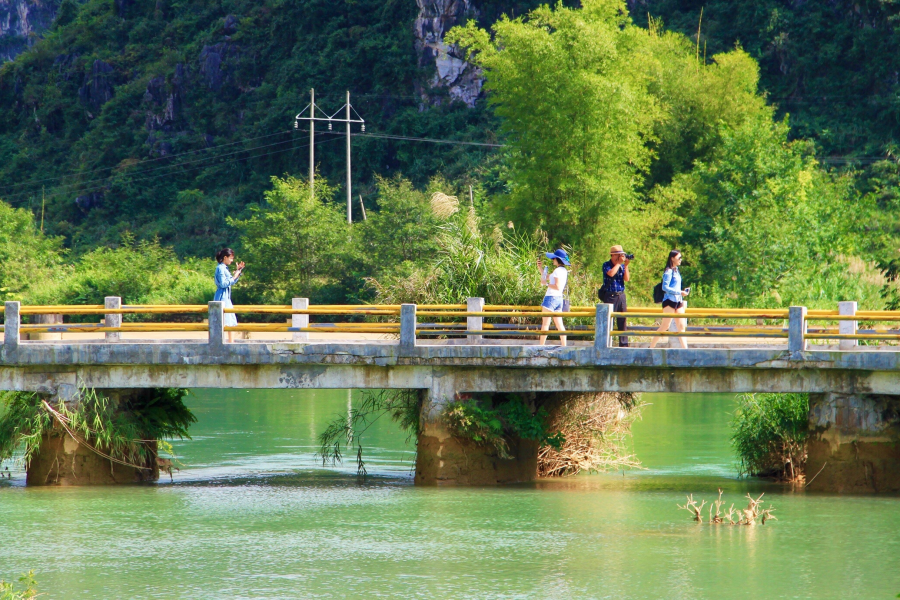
[475,323]
[216,325]
[603,327]
[797,329]
[407,327]
[113,320]
[300,321]
[847,327]
[11,321]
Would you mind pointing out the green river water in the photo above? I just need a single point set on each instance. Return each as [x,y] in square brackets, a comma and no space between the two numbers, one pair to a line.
[253,515]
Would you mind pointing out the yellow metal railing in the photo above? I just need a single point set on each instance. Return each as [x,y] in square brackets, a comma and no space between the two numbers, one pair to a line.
[495,320]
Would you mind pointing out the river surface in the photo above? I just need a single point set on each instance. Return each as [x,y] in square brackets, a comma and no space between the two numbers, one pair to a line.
[254,515]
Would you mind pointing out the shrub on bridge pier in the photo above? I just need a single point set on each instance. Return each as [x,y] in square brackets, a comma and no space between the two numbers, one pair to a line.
[126,432]
[769,435]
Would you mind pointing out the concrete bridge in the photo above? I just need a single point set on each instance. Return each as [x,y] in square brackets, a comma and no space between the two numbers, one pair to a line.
[855,415]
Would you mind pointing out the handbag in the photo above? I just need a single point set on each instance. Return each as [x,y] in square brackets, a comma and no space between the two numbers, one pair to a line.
[567,306]
[601,292]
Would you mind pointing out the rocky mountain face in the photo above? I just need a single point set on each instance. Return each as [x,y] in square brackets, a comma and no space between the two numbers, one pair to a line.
[462,80]
[22,22]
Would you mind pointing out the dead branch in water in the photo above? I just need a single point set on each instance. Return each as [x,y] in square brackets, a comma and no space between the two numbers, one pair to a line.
[691,507]
[753,514]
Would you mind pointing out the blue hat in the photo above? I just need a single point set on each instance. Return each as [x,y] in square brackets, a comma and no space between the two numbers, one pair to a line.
[560,254]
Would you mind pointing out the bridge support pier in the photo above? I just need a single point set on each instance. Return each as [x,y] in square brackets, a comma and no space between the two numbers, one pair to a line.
[443,459]
[854,443]
[64,461]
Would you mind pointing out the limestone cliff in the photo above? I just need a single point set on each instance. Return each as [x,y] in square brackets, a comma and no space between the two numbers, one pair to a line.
[22,22]
[462,80]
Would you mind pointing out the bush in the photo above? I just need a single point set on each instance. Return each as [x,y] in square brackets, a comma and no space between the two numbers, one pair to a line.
[139,272]
[496,265]
[497,419]
[769,435]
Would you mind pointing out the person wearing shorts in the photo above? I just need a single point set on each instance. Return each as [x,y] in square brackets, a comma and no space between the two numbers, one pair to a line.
[673,301]
[553,299]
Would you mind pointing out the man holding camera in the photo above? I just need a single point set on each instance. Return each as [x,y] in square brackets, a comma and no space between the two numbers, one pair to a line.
[615,274]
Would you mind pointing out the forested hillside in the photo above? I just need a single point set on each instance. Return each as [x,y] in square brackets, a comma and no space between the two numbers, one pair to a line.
[161,117]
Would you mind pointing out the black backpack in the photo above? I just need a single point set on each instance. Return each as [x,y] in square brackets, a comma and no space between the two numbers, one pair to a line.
[658,293]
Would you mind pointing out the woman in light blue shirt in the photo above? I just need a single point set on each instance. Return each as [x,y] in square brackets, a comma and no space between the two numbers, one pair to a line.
[224,281]
[673,301]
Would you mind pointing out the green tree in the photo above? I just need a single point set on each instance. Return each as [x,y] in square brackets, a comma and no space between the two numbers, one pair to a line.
[404,227]
[767,221]
[294,243]
[696,98]
[570,87]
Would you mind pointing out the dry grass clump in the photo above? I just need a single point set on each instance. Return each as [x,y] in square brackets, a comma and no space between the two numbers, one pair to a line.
[749,516]
[596,427]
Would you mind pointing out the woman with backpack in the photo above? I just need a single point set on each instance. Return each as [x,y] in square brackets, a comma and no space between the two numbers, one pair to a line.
[556,285]
[673,299]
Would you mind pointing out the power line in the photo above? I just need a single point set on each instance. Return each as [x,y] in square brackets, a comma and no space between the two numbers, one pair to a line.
[169,157]
[136,179]
[428,140]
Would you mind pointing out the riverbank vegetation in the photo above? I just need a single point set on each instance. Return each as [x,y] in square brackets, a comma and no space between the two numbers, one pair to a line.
[128,432]
[594,431]
[769,433]
[346,432]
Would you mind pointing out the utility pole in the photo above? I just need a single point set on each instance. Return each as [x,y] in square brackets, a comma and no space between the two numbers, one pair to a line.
[349,190]
[348,119]
[312,144]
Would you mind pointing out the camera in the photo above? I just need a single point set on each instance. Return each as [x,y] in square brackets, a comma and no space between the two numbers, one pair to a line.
[629,256]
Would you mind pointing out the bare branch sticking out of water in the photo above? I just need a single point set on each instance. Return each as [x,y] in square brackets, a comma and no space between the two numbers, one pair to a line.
[753,514]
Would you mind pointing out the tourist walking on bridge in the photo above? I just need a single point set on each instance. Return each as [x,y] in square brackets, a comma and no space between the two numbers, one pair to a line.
[615,275]
[673,301]
[553,299]
[224,281]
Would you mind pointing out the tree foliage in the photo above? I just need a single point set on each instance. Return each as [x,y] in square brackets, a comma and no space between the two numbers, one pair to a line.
[28,259]
[292,243]
[568,86]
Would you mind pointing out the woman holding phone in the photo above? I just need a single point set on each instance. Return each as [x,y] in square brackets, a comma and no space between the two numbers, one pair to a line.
[673,301]
[224,281]
[553,299]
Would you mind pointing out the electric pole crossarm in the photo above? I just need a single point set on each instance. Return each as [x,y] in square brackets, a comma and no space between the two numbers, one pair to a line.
[348,120]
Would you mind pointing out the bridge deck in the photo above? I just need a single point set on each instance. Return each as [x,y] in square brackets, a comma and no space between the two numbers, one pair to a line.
[470,362]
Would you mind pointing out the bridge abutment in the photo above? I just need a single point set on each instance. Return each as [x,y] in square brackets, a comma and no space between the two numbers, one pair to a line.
[854,443]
